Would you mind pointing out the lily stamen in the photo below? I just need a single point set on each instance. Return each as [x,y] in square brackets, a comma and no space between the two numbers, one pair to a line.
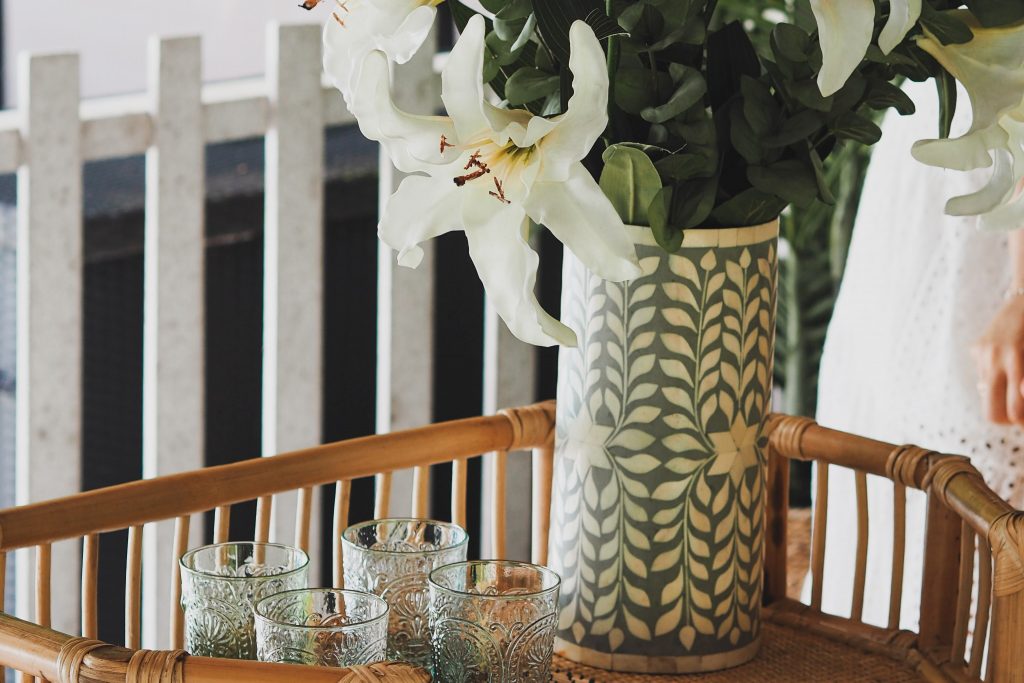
[474,160]
[500,194]
[309,4]
[343,4]
[338,19]
[479,173]
[445,144]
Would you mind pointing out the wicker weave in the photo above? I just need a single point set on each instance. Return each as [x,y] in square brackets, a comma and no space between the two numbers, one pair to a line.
[788,655]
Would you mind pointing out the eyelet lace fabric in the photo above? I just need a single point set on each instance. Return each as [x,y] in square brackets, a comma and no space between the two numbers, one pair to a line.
[919,288]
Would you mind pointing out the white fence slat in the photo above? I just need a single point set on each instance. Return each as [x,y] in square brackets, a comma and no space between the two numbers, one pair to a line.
[235,110]
[10,141]
[293,257]
[173,331]
[510,372]
[405,297]
[49,312]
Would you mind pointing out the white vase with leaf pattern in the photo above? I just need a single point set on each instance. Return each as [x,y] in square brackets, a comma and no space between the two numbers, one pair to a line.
[658,508]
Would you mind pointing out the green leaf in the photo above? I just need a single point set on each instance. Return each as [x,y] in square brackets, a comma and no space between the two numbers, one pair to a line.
[744,140]
[630,181]
[685,166]
[818,167]
[807,93]
[689,92]
[945,26]
[946,85]
[759,107]
[851,126]
[528,84]
[633,91]
[750,207]
[791,42]
[883,95]
[603,25]
[801,126]
[997,12]
[668,237]
[643,21]
[790,179]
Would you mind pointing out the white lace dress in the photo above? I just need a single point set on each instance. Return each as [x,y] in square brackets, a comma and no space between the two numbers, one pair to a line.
[920,286]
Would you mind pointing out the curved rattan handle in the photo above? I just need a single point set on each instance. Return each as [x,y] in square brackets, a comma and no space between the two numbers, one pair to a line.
[392,673]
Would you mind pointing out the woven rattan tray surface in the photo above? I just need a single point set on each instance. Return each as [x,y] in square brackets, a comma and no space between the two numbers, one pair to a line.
[788,655]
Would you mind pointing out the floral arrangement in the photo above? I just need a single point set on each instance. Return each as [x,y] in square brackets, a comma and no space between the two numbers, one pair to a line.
[585,116]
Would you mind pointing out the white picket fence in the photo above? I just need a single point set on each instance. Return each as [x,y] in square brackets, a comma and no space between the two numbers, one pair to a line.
[46,142]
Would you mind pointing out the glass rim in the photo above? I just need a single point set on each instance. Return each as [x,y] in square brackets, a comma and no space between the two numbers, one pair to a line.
[302,554]
[539,569]
[461,542]
[259,616]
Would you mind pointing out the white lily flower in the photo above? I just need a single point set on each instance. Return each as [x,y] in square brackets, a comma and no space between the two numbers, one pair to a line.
[490,170]
[991,69]
[357,27]
[845,28]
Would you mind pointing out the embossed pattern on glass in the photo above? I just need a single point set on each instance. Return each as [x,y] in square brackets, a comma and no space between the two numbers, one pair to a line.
[493,622]
[323,627]
[392,558]
[221,583]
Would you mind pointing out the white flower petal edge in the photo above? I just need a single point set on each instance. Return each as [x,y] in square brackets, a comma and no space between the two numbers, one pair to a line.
[489,170]
[845,28]
[991,68]
[357,27]
[903,14]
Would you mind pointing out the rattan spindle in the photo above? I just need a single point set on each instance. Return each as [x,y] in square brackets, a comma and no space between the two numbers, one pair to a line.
[818,536]
[982,609]
[899,549]
[303,517]
[963,598]
[861,565]
[90,569]
[382,495]
[133,590]
[177,625]
[264,508]
[498,488]
[342,502]
[221,524]
[941,577]
[44,566]
[543,473]
[460,471]
[420,492]
[3,577]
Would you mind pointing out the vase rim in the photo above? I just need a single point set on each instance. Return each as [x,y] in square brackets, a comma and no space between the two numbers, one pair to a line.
[711,237]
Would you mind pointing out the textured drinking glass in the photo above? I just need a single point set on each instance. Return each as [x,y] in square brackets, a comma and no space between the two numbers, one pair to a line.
[221,583]
[392,558]
[323,627]
[493,621]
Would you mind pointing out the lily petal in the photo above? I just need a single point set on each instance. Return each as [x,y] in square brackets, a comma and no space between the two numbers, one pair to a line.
[462,88]
[903,14]
[989,197]
[411,141]
[507,266]
[965,153]
[421,209]
[410,34]
[586,117]
[845,28]
[579,214]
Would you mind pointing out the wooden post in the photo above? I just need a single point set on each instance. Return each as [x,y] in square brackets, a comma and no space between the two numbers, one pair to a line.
[49,313]
[293,257]
[510,369]
[405,303]
[173,339]
[940,580]
[777,517]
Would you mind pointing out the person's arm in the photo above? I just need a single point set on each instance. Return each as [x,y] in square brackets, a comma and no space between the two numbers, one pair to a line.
[999,352]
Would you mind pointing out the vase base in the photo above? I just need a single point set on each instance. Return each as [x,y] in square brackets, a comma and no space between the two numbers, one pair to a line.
[633,663]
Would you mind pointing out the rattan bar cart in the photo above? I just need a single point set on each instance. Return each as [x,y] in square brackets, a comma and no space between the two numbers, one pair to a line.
[965,520]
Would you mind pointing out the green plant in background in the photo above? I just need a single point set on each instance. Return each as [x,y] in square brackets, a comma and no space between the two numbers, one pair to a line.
[816,236]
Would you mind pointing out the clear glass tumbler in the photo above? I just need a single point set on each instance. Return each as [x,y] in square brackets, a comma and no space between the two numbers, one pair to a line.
[493,621]
[221,583]
[392,558]
[323,627]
